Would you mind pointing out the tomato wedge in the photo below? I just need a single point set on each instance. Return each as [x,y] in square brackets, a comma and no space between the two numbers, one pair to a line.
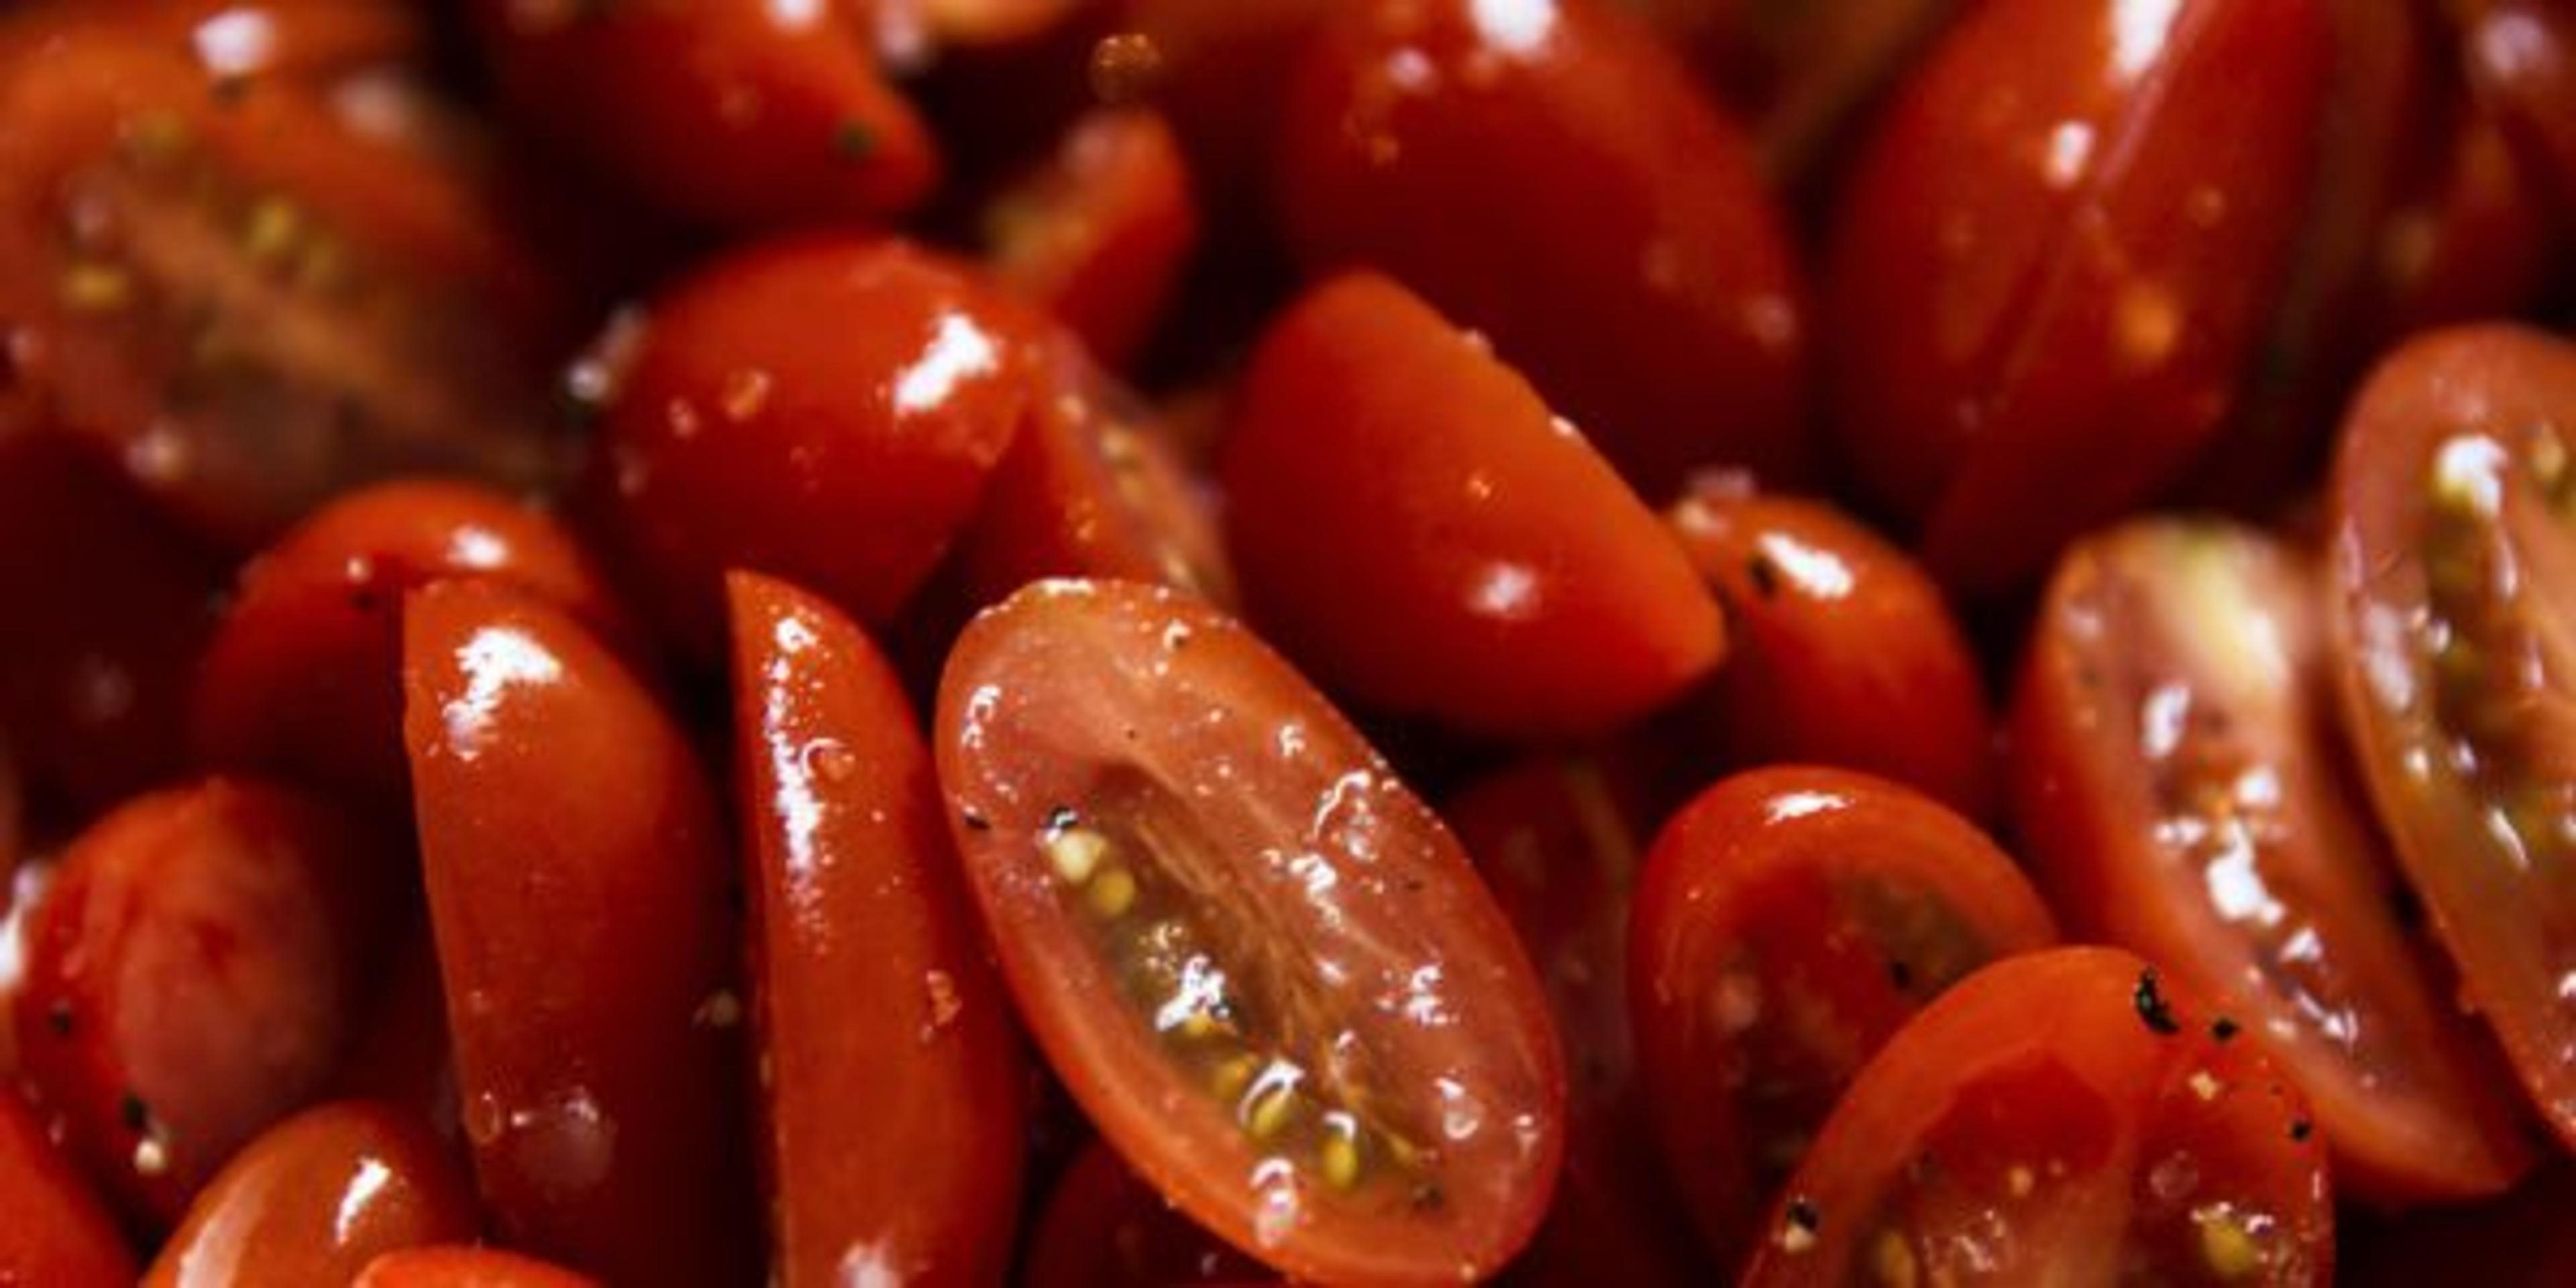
[1258,962]
[2454,627]
[2059,1117]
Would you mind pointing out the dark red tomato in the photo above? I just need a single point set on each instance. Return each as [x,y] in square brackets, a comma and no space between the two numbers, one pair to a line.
[1557,842]
[1804,71]
[1841,651]
[1544,173]
[194,972]
[403,1056]
[2477,238]
[57,1233]
[2521,55]
[304,677]
[458,1266]
[245,299]
[1099,234]
[891,1075]
[1104,1228]
[824,409]
[972,23]
[1258,962]
[2059,1117]
[2057,259]
[293,38]
[1789,920]
[18,902]
[1411,522]
[2179,784]
[316,1198]
[2453,612]
[2522,1240]
[1220,74]
[13,822]
[747,113]
[578,885]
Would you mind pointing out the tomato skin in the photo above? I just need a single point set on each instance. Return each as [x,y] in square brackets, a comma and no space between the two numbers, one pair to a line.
[578,886]
[2521,57]
[2521,1240]
[1646,286]
[1786,922]
[403,1058]
[458,1266]
[1221,75]
[2448,583]
[1411,522]
[2177,785]
[1105,1228]
[1841,651]
[195,969]
[57,1233]
[1099,234]
[316,39]
[826,409]
[1145,720]
[2074,1141]
[2056,261]
[740,113]
[892,1101]
[304,676]
[316,1198]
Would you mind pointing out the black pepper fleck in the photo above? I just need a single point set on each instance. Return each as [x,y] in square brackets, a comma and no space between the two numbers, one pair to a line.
[1900,974]
[2301,1129]
[1061,818]
[854,141]
[1766,581]
[2222,1028]
[136,1115]
[1803,1214]
[2151,1005]
[974,819]
[58,1017]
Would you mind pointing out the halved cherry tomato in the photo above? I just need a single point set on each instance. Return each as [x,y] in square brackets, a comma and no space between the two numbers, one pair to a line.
[2521,55]
[1544,173]
[2454,626]
[464,1267]
[304,677]
[316,1198]
[1787,921]
[748,113]
[2059,1117]
[194,972]
[1105,1228]
[824,409]
[578,885]
[1412,523]
[891,1088]
[2057,259]
[1257,961]
[1840,650]
[57,1233]
[2177,780]
[1100,233]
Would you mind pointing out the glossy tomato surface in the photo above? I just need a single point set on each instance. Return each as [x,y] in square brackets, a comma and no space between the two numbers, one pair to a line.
[463,1266]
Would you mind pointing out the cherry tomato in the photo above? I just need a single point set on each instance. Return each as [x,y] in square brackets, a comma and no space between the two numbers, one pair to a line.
[2178,784]
[2057,257]
[194,972]
[1411,522]
[1787,921]
[304,677]
[2065,1117]
[2522,1240]
[1104,1228]
[2477,238]
[746,113]
[1841,651]
[17,902]
[2521,55]
[57,1233]
[2452,580]
[403,1057]
[464,1267]
[578,886]
[1100,233]
[316,1198]
[1220,74]
[1258,962]
[1544,173]
[825,409]
[893,1125]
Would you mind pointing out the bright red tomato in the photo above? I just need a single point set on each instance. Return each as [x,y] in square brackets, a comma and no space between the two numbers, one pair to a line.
[57,1233]
[1099,234]
[1259,963]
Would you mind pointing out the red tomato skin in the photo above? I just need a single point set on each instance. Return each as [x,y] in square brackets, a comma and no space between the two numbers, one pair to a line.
[58,1233]
[1410,521]
[738,113]
[893,1120]
[316,1198]
[1841,650]
[825,409]
[459,1266]
[1645,285]
[2056,259]
[404,1058]
[1221,76]
[1099,235]
[1105,1228]
[578,887]
[304,676]
[195,969]
[2521,1240]
[2521,57]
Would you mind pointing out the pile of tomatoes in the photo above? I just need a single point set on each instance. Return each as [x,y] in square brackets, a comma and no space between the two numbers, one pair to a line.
[1081,642]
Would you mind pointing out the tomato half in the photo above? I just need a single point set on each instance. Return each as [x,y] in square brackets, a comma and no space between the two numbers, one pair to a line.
[57,1234]
[459,1266]
[1258,962]
[2059,1117]
[2453,612]
[1099,234]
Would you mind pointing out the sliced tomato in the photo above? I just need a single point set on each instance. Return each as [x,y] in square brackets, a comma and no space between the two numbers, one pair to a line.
[58,1233]
[1099,234]
[1410,521]
[2178,781]
[2062,1117]
[892,1119]
[1105,1228]
[1257,961]
[316,1198]
[1787,921]
[578,885]
[461,1266]
[2453,591]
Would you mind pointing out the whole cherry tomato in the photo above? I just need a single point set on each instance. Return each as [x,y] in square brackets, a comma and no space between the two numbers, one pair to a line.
[57,1233]
[1099,234]
[1105,1228]
[458,1266]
